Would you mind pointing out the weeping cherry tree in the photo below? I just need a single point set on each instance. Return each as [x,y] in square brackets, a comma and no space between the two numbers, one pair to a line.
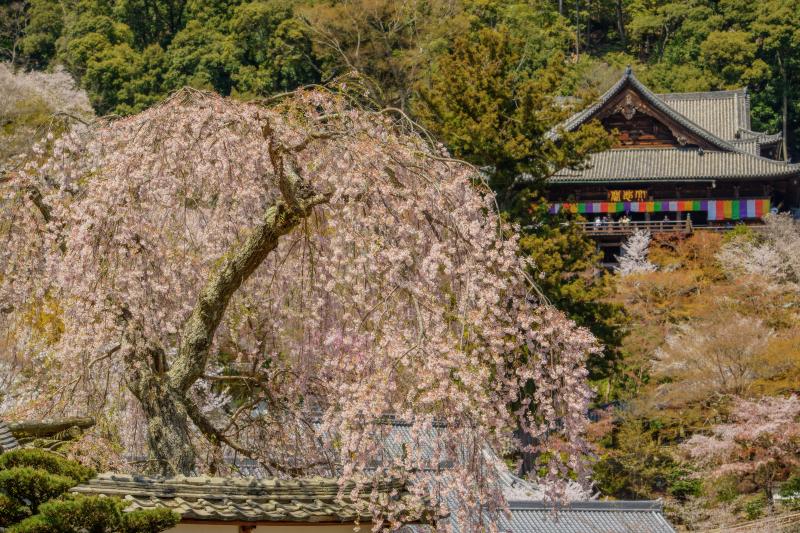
[214,278]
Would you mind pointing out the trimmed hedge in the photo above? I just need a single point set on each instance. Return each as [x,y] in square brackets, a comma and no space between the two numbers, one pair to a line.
[47,461]
[94,514]
[34,498]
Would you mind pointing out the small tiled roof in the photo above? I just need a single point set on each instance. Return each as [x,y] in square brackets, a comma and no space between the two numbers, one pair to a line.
[7,440]
[761,137]
[255,500]
[752,141]
[722,113]
[673,164]
[587,517]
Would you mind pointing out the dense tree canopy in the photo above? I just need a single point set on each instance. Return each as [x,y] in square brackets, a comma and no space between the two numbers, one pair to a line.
[323,257]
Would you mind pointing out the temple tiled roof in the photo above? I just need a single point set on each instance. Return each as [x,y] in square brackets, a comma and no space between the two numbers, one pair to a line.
[673,164]
[760,137]
[587,517]
[230,499]
[7,440]
[752,141]
[314,500]
[720,118]
[629,80]
[721,113]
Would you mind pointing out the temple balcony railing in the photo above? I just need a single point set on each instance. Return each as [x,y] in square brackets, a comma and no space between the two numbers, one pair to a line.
[614,228]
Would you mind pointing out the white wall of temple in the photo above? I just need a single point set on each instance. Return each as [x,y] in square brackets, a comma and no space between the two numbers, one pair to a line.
[268,528]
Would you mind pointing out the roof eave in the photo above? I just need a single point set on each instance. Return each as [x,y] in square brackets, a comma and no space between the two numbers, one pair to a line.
[677,179]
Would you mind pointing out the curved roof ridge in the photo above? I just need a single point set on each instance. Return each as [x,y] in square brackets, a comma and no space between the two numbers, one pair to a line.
[760,136]
[662,106]
[628,77]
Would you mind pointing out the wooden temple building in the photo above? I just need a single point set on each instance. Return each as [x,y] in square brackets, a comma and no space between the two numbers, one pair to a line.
[681,161]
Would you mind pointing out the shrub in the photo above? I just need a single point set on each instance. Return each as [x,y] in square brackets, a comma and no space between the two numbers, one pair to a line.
[47,461]
[26,488]
[34,499]
[683,487]
[755,506]
[96,514]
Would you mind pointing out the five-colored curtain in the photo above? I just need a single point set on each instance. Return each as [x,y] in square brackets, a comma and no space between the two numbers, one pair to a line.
[717,209]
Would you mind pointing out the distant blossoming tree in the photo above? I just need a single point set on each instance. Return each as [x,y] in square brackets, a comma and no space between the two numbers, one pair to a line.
[224,278]
[761,441]
[32,102]
[723,354]
[634,254]
[772,253]
[32,105]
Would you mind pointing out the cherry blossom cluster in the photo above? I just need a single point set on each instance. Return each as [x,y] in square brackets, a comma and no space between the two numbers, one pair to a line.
[404,295]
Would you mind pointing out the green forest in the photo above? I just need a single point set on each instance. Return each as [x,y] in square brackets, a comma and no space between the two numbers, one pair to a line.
[487,79]
[130,54]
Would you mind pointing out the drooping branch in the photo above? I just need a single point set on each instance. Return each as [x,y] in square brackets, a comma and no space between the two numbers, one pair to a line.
[216,436]
[298,198]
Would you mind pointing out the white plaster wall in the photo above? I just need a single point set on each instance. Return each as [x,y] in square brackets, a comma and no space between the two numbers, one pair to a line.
[281,528]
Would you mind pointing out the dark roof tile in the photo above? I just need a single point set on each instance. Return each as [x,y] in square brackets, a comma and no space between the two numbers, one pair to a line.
[7,440]
[673,164]
[312,499]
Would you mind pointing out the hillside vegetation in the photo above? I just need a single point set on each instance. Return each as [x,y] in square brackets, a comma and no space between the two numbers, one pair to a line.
[714,333]
[701,335]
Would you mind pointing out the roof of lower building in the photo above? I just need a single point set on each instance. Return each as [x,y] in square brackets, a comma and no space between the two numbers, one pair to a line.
[672,164]
[7,440]
[313,499]
[588,517]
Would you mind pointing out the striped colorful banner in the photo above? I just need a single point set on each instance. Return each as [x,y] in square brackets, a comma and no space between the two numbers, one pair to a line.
[716,209]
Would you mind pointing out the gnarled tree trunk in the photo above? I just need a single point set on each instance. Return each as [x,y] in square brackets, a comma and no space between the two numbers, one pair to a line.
[163,389]
[168,426]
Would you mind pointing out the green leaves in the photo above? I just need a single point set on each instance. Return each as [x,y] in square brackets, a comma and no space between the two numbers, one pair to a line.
[132,54]
[699,46]
[29,478]
[34,499]
[94,514]
[32,487]
[46,461]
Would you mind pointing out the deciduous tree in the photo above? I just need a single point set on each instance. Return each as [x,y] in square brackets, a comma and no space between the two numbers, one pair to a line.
[634,254]
[323,259]
[761,441]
